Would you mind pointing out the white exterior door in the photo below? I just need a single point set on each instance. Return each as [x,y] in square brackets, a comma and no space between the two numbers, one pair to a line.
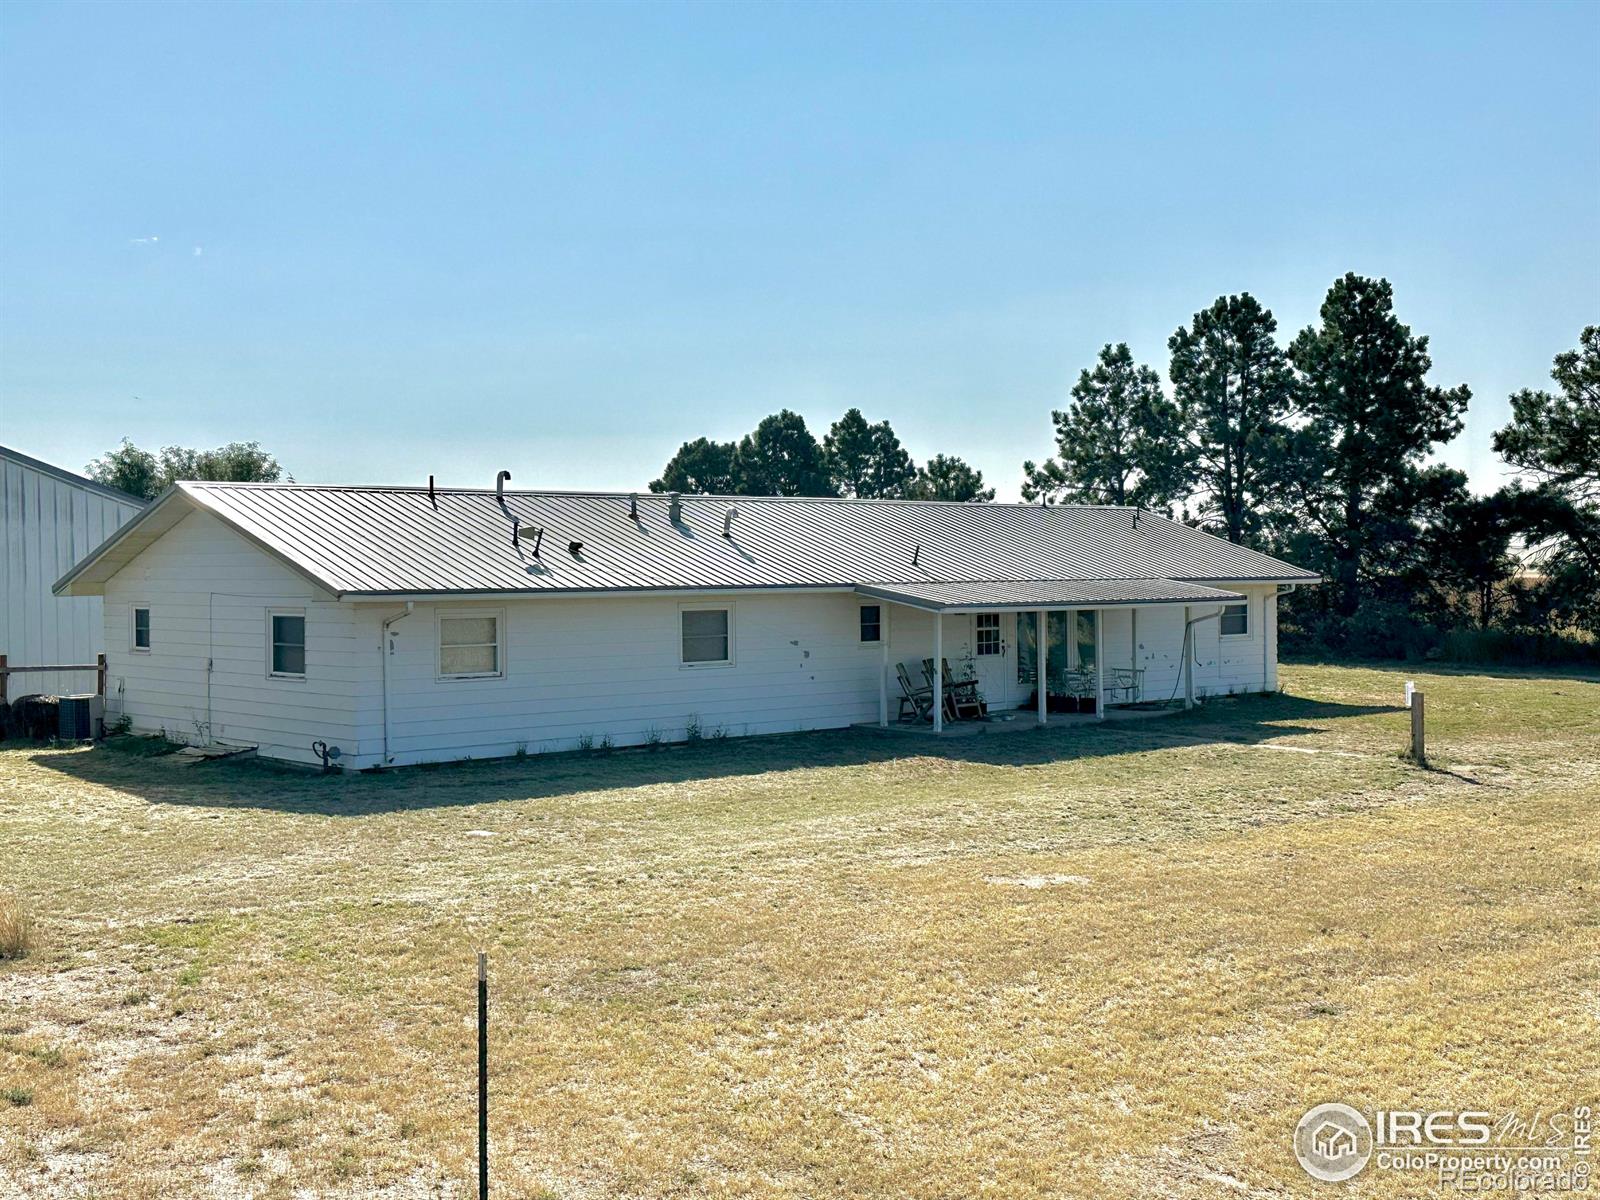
[993,648]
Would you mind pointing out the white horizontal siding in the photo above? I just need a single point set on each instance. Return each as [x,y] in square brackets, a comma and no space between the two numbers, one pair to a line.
[609,667]
[209,592]
[46,525]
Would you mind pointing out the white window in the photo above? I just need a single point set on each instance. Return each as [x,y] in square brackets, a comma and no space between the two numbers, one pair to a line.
[707,636]
[988,630]
[871,623]
[469,646]
[1236,620]
[141,629]
[286,643]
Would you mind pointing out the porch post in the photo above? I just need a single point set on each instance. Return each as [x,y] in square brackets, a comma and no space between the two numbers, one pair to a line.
[1041,655]
[883,669]
[938,672]
[1099,665]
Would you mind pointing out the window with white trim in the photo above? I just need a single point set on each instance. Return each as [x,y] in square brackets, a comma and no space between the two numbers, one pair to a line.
[871,623]
[1235,620]
[987,628]
[286,644]
[707,637]
[469,646]
[141,629]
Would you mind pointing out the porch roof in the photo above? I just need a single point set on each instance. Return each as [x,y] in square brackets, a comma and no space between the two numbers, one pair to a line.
[1046,593]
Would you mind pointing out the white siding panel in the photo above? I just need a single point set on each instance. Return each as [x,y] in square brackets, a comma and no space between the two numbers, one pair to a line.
[209,592]
[610,668]
[47,524]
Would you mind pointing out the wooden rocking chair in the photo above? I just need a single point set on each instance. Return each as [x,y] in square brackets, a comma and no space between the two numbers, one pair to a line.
[918,700]
[961,697]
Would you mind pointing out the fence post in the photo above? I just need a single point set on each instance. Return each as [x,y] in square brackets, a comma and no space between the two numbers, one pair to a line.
[1419,749]
[483,1076]
[100,675]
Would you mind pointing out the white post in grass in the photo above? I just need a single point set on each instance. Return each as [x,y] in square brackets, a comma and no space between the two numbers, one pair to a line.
[883,673]
[1041,656]
[938,672]
[1099,665]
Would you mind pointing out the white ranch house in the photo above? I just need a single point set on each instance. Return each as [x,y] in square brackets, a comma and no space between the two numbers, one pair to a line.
[410,625]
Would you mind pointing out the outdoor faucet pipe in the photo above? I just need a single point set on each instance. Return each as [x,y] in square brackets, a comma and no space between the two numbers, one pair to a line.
[384,650]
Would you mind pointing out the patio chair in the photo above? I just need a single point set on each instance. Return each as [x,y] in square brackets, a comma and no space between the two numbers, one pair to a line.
[918,700]
[1124,682]
[961,696]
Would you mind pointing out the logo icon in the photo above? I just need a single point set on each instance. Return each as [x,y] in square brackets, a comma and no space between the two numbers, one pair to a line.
[1333,1142]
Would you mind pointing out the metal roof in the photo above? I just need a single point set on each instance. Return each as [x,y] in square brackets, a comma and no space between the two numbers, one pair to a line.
[1047,593]
[396,541]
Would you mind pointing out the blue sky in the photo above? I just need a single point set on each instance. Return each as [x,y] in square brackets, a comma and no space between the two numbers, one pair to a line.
[393,240]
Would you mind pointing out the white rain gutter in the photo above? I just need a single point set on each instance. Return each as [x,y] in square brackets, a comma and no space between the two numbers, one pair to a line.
[385,649]
[1188,654]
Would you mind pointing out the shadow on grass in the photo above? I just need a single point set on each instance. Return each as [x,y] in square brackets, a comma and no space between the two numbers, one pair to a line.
[256,784]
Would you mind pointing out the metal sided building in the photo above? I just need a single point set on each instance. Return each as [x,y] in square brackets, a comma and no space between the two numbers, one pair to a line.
[49,519]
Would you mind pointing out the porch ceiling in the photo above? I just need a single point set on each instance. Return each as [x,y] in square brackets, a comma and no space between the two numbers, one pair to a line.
[1046,593]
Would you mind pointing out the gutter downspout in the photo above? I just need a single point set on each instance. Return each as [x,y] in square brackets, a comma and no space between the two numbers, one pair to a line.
[385,649]
[1189,652]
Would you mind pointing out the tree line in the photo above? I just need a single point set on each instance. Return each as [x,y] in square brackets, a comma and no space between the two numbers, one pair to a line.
[781,457]
[1318,452]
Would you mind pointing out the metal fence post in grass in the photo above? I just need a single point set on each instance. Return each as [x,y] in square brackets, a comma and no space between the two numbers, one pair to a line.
[483,1076]
[1419,749]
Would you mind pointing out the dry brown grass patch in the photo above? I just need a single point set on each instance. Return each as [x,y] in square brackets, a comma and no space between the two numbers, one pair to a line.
[16,927]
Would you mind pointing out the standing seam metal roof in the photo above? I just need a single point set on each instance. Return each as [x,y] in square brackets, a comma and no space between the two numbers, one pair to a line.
[386,541]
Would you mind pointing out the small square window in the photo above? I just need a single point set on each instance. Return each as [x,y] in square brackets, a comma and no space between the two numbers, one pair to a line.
[288,633]
[469,646]
[871,623]
[141,629]
[1236,620]
[706,636]
[988,630]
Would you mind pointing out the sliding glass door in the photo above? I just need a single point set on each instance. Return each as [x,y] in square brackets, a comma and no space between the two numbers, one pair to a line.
[1071,645]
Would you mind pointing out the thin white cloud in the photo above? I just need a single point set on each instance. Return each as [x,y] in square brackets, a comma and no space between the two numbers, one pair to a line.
[144,241]
[198,251]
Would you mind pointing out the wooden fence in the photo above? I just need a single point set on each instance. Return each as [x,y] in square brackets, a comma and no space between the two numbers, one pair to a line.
[98,667]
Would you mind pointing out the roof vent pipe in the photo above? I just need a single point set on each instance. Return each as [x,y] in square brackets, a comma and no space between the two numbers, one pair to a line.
[1137,513]
[727,521]
[500,486]
[431,499]
[633,506]
[674,507]
[916,554]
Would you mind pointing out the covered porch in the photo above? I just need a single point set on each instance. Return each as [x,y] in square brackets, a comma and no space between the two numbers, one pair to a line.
[1105,645]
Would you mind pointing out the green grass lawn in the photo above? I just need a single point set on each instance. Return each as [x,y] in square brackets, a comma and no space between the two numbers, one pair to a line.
[1116,960]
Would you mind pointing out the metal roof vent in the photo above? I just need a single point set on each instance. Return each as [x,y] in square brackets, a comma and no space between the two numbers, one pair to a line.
[674,507]
[727,521]
[633,506]
[533,533]
[575,548]
[500,486]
